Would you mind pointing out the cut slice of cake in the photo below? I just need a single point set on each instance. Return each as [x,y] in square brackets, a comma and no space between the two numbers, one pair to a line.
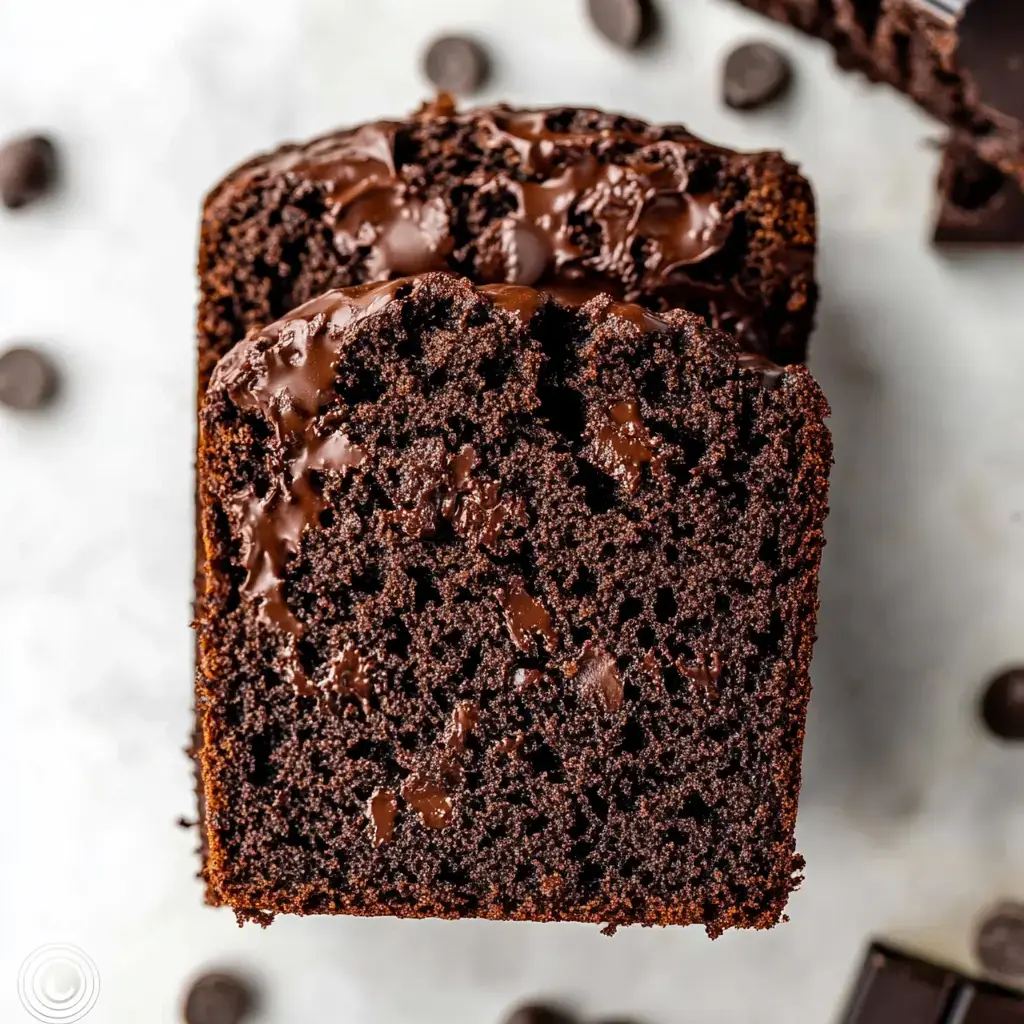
[509,611]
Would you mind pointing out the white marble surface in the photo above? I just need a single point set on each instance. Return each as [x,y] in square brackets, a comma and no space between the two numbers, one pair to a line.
[912,820]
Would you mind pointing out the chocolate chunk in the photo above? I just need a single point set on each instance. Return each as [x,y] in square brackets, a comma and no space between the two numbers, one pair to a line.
[999,943]
[537,1013]
[1002,705]
[626,23]
[979,204]
[754,75]
[217,999]
[28,380]
[456,64]
[28,168]
[897,989]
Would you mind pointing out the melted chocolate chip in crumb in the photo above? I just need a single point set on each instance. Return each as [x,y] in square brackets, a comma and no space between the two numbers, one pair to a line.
[349,674]
[599,676]
[382,810]
[624,445]
[526,618]
[429,800]
[704,674]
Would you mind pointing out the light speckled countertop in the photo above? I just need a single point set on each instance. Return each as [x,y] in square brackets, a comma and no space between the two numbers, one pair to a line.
[911,819]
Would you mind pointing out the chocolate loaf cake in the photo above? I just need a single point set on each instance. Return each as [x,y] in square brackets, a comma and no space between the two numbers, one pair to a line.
[961,60]
[509,611]
[566,198]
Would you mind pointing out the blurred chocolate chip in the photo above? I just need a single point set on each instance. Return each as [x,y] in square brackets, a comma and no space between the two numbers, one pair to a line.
[456,64]
[28,168]
[754,75]
[217,998]
[28,379]
[537,1013]
[1002,705]
[1000,940]
[625,23]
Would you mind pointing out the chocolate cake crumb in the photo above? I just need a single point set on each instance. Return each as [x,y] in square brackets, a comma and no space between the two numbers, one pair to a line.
[495,743]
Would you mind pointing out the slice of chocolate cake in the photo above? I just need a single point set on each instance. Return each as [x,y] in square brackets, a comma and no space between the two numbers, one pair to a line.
[509,611]
[564,198]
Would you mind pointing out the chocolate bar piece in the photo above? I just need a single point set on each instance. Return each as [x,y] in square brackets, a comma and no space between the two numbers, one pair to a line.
[896,988]
[978,203]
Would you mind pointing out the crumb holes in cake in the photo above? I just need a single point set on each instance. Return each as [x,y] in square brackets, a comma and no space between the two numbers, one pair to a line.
[694,807]
[543,760]
[399,637]
[260,770]
[449,874]
[646,637]
[630,609]
[369,750]
[581,850]
[653,385]
[326,518]
[534,826]
[591,875]
[526,872]
[723,604]
[471,665]
[609,551]
[358,385]
[425,593]
[585,584]
[442,697]
[581,825]
[369,581]
[409,741]
[676,837]
[315,903]
[600,491]
[671,678]
[580,634]
[665,606]
[634,737]
[671,554]
[769,551]
[597,803]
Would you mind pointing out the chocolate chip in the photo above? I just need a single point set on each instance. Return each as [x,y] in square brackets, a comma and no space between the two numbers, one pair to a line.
[28,168]
[217,999]
[27,378]
[1000,940]
[626,23]
[1002,705]
[537,1013]
[456,64]
[755,74]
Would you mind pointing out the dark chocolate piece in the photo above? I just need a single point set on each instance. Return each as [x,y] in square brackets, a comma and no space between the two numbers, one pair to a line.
[754,75]
[456,64]
[1002,705]
[28,379]
[434,581]
[979,204]
[218,998]
[1000,940]
[28,169]
[624,23]
[896,988]
[537,1013]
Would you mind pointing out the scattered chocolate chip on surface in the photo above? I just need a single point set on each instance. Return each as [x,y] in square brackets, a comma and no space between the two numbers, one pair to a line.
[456,64]
[537,1013]
[217,998]
[755,74]
[999,943]
[28,380]
[624,23]
[1002,705]
[28,169]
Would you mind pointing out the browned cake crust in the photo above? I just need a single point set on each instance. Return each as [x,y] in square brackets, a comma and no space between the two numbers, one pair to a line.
[567,198]
[509,612]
